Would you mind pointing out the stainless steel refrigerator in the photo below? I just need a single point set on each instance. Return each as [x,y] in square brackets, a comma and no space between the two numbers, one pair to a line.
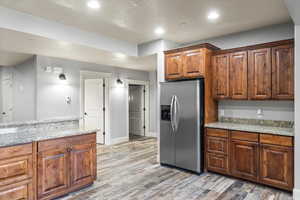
[181,124]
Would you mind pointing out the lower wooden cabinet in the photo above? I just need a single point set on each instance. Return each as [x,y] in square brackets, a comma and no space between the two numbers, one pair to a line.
[18,191]
[83,162]
[53,172]
[17,174]
[262,158]
[244,159]
[65,165]
[276,166]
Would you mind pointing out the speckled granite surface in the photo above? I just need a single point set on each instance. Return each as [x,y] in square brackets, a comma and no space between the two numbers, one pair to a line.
[252,128]
[273,123]
[15,136]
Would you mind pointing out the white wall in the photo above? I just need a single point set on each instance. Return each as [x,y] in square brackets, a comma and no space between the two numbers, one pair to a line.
[153,103]
[51,92]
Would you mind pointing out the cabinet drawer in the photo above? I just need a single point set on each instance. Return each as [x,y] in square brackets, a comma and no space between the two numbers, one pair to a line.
[276,140]
[9,152]
[217,132]
[239,135]
[66,142]
[217,163]
[19,191]
[217,145]
[15,169]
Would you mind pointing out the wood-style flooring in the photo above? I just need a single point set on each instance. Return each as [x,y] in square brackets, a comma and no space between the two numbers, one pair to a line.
[130,171]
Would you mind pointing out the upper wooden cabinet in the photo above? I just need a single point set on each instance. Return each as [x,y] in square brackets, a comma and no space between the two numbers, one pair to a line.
[283,72]
[259,74]
[221,70]
[188,62]
[194,63]
[238,75]
[173,66]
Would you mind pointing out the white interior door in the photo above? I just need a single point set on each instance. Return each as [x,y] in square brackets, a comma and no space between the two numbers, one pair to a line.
[136,110]
[93,106]
[7,97]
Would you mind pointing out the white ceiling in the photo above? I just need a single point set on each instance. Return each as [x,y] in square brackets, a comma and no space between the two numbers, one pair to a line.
[18,42]
[135,20]
[12,58]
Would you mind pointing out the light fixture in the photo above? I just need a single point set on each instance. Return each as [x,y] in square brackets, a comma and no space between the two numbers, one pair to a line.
[119,81]
[159,31]
[213,15]
[120,55]
[62,77]
[94,4]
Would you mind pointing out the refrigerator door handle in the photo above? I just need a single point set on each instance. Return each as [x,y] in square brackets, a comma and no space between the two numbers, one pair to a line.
[177,111]
[172,113]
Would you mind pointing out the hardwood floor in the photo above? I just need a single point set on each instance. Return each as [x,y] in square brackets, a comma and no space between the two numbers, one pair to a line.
[129,171]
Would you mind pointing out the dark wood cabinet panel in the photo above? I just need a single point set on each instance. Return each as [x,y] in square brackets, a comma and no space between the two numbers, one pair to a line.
[238,75]
[283,72]
[194,63]
[53,172]
[276,166]
[174,66]
[259,74]
[217,162]
[244,159]
[17,191]
[83,164]
[220,76]
[217,145]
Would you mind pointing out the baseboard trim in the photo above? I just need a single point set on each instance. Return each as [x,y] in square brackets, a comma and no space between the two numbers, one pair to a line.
[296,194]
[119,140]
[151,134]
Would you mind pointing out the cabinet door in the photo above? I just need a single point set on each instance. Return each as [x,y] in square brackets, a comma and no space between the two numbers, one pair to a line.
[260,73]
[52,172]
[221,76]
[17,191]
[173,66]
[283,72]
[217,163]
[194,63]
[276,166]
[83,164]
[244,159]
[238,75]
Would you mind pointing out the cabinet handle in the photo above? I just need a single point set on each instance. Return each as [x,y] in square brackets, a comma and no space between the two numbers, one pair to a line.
[69,149]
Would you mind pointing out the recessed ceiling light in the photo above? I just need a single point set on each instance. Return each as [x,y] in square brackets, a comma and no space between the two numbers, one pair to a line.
[94,4]
[213,15]
[159,31]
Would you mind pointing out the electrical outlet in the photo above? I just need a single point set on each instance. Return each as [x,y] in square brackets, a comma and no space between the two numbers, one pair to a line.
[222,113]
[259,111]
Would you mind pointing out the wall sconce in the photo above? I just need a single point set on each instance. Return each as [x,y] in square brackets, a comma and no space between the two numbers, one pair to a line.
[62,77]
[119,81]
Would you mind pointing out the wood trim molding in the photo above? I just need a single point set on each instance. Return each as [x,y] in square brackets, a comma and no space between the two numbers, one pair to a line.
[197,46]
[254,47]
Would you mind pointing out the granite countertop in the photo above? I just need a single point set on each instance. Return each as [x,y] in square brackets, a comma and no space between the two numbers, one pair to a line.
[15,136]
[252,128]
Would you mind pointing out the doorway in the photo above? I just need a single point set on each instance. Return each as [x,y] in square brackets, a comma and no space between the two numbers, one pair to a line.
[94,110]
[136,111]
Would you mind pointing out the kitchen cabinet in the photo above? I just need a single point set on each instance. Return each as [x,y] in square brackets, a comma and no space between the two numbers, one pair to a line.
[53,172]
[194,63]
[276,166]
[283,72]
[238,75]
[258,72]
[244,159]
[65,164]
[17,172]
[221,79]
[83,162]
[174,66]
[259,77]
[262,158]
